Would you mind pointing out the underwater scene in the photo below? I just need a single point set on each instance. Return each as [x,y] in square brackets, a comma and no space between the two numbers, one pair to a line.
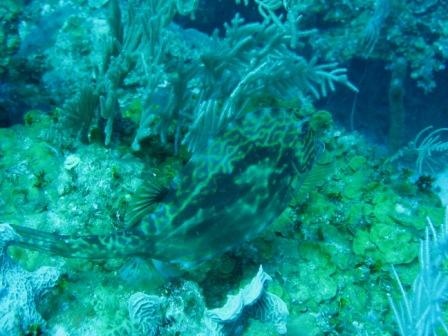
[223,168]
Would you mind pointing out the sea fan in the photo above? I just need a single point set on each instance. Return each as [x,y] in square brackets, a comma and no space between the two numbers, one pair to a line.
[420,312]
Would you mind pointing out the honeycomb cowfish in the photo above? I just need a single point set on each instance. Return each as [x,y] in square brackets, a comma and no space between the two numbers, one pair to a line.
[224,196]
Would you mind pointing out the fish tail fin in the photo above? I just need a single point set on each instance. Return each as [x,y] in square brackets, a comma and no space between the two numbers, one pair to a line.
[117,245]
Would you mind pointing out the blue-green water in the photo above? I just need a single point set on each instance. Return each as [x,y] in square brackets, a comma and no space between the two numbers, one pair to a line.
[155,153]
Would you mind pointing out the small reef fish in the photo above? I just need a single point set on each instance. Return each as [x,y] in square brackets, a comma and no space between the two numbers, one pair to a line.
[223,197]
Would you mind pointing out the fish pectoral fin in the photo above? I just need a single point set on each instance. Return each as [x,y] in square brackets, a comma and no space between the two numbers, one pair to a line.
[147,196]
[167,270]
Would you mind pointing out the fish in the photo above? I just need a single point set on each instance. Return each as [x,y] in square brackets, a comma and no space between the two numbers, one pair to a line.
[226,195]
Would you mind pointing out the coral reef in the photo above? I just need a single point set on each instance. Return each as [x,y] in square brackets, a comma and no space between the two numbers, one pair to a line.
[146,313]
[21,291]
[252,301]
[118,97]
[180,311]
[328,246]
